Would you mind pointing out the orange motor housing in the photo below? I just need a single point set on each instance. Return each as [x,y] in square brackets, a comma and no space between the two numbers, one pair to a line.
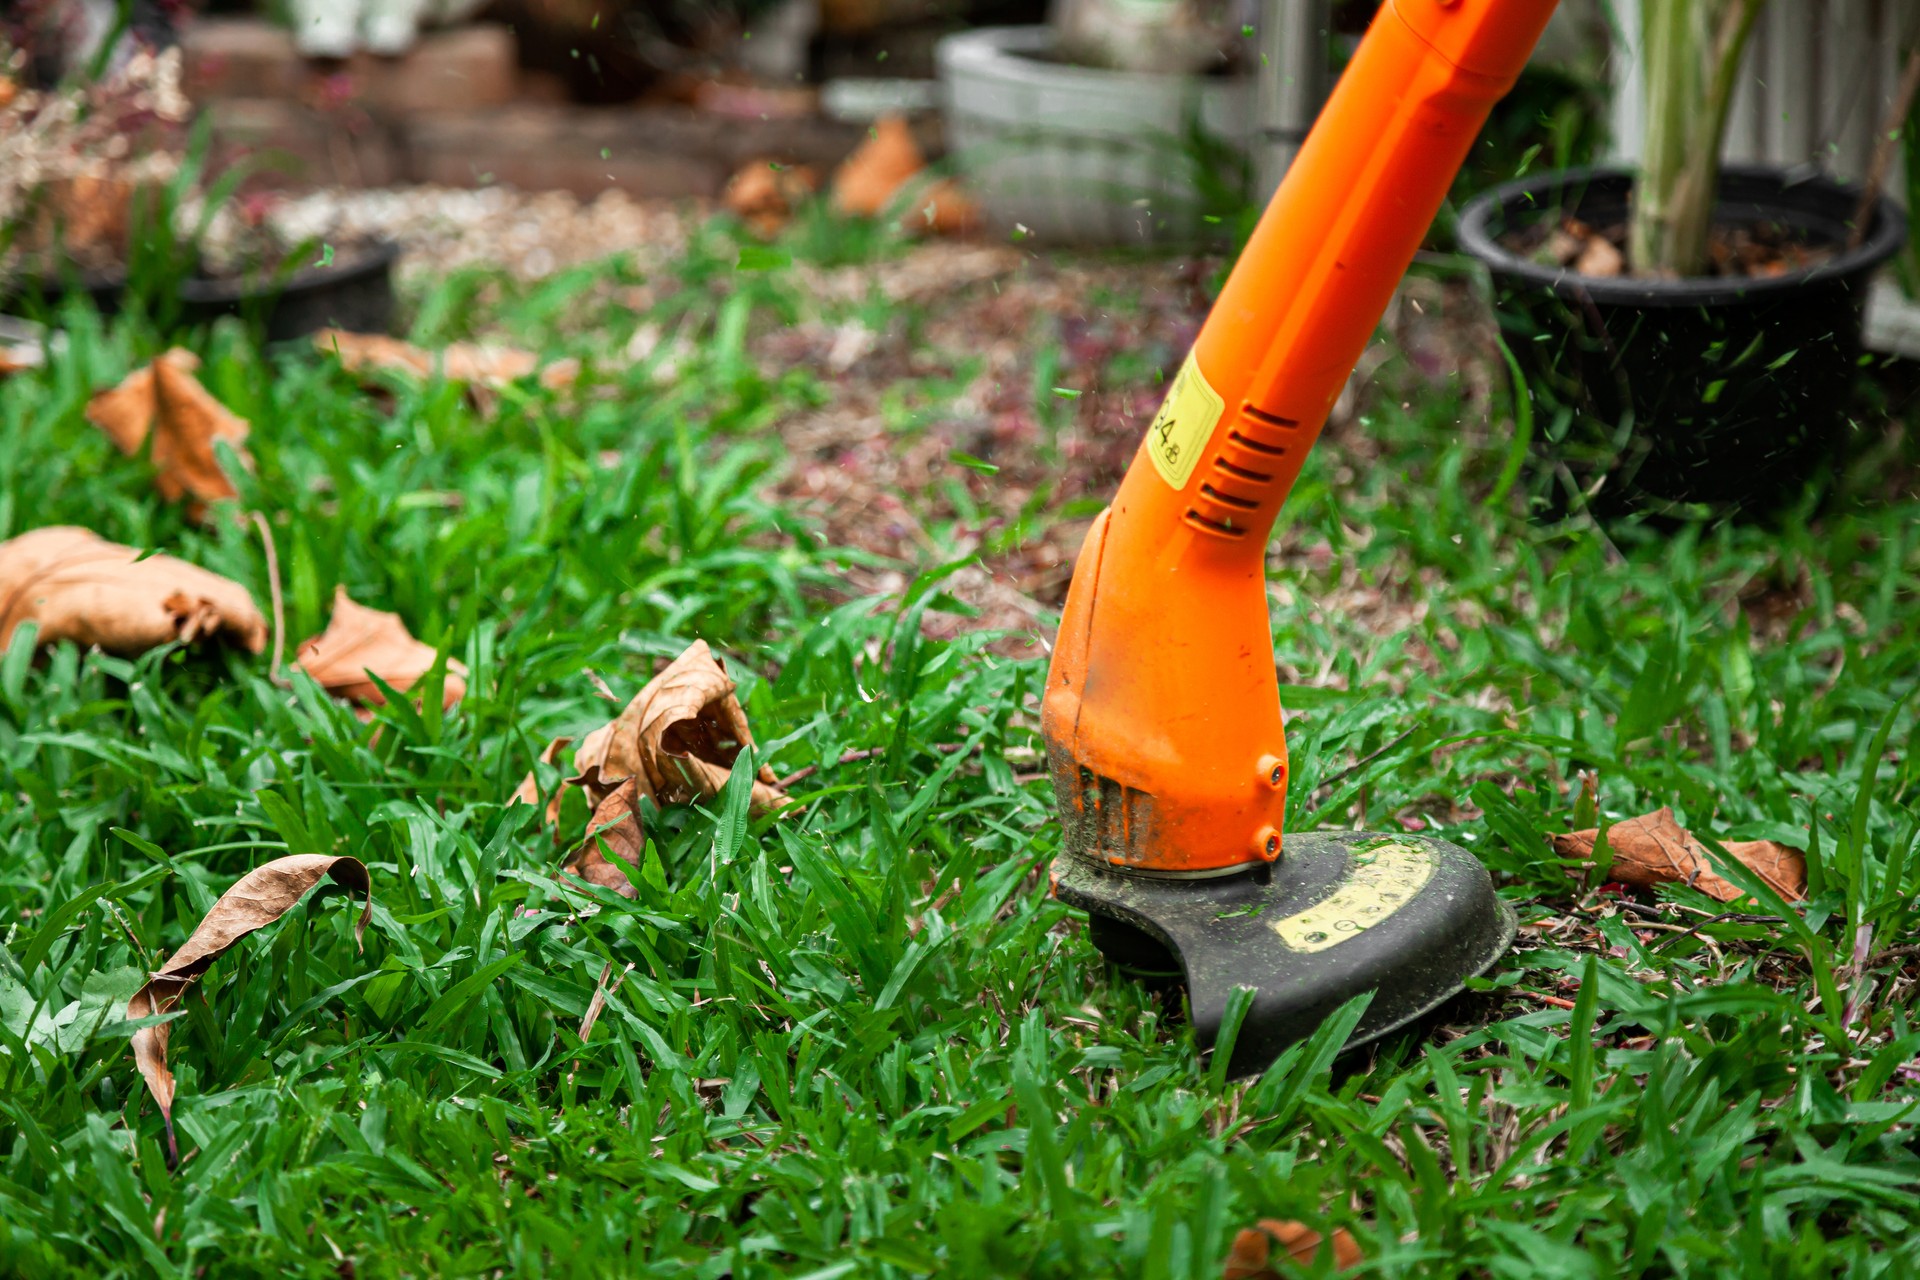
[1162,709]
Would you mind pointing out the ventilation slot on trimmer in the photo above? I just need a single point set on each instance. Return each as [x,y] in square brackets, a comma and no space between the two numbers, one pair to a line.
[1257,446]
[1242,473]
[1219,528]
[1101,817]
[1258,414]
[1229,499]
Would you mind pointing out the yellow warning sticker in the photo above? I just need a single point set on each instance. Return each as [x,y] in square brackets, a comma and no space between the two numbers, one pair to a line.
[1379,882]
[1186,419]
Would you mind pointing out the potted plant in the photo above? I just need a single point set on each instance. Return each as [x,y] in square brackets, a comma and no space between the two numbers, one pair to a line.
[1118,122]
[1687,334]
[103,192]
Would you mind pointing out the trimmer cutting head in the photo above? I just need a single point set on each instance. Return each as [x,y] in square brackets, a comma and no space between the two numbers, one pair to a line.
[1162,709]
[1405,917]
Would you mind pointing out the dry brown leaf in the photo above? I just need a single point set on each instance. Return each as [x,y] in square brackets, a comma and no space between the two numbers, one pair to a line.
[1252,1253]
[614,829]
[86,215]
[677,739]
[1600,258]
[359,641]
[868,180]
[764,194]
[365,352]
[166,401]
[528,792]
[679,736]
[1655,849]
[260,897]
[488,366]
[80,587]
[943,209]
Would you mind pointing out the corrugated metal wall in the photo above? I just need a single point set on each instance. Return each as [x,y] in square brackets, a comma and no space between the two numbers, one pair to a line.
[1819,78]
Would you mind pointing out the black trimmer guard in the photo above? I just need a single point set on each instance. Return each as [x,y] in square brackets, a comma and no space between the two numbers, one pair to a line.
[1408,918]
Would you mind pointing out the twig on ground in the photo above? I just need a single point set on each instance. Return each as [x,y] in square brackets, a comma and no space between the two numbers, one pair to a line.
[279,604]
[1905,951]
[1334,780]
[1725,917]
[854,756]
[1558,1002]
[600,992]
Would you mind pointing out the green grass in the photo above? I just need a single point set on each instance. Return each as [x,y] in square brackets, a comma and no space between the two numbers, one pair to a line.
[863,1041]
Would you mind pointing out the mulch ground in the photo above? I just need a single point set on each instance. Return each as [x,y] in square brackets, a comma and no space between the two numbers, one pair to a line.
[991,414]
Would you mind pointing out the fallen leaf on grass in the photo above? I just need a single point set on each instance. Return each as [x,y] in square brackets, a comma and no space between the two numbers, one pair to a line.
[165,401]
[764,195]
[260,897]
[360,643]
[1655,849]
[528,792]
[613,830]
[1252,1251]
[676,742]
[78,586]
[679,736]
[486,366]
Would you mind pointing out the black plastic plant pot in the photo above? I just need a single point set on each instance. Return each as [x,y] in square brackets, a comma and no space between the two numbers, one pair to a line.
[103,288]
[354,293]
[1708,396]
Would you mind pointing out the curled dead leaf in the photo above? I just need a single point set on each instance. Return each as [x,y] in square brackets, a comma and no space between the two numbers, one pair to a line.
[1252,1256]
[359,643]
[867,181]
[472,363]
[764,195]
[679,736]
[258,899]
[165,401]
[613,833]
[78,586]
[1655,849]
[677,739]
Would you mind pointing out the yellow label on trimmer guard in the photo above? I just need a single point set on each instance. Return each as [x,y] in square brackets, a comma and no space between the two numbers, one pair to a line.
[1185,422]
[1379,882]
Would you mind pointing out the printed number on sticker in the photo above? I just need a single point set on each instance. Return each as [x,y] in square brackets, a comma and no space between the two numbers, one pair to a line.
[1184,424]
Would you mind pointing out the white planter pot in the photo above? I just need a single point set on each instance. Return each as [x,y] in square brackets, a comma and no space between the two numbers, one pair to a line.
[1078,155]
